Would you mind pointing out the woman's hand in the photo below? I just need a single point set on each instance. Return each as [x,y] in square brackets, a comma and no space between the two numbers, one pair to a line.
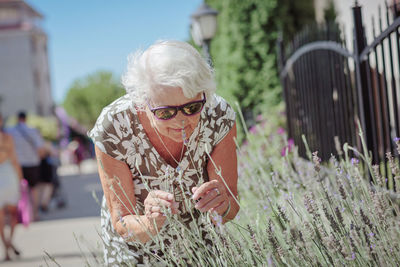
[156,201]
[212,196]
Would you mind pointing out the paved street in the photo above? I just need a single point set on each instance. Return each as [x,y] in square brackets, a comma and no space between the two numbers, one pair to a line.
[69,235]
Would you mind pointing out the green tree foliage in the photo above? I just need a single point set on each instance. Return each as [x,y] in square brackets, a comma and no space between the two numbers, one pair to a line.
[47,126]
[330,13]
[244,50]
[89,95]
[291,16]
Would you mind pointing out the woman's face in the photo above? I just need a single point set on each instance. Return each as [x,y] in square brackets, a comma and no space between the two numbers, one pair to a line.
[172,96]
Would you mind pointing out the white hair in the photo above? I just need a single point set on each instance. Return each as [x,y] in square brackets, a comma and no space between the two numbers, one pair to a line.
[168,64]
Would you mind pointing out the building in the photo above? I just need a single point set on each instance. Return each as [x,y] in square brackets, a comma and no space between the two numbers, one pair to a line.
[24,68]
[370,10]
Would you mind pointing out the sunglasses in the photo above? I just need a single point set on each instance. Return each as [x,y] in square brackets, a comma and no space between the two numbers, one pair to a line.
[169,112]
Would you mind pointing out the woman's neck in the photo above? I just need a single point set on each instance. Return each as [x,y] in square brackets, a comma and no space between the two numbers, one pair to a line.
[170,150]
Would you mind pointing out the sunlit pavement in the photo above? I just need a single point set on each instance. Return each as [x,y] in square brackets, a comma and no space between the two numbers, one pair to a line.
[67,236]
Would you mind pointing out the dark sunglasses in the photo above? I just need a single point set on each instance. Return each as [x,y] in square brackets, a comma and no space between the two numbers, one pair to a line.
[169,112]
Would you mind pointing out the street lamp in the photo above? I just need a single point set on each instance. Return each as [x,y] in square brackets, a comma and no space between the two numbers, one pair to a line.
[204,27]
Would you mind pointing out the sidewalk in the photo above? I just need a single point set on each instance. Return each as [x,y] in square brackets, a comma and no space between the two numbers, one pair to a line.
[88,166]
[57,238]
[68,235]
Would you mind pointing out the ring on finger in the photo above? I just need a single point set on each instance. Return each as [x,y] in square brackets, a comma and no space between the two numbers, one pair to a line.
[218,192]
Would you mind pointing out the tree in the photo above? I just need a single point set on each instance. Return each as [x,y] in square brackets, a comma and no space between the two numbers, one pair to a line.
[244,50]
[330,13]
[89,95]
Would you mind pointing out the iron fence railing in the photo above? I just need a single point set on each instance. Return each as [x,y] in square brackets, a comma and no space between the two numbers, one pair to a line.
[328,88]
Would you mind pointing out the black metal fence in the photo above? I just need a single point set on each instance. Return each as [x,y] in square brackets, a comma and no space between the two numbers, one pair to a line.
[328,88]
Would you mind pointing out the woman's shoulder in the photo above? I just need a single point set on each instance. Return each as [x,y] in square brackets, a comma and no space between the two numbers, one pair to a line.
[220,119]
[121,104]
[220,107]
[119,112]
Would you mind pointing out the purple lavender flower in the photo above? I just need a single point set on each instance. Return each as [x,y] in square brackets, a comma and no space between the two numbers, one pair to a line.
[396,139]
[253,129]
[281,131]
[289,147]
[290,142]
[265,207]
[218,219]
[283,151]
[354,161]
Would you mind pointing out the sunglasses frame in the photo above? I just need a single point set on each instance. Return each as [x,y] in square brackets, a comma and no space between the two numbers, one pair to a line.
[178,108]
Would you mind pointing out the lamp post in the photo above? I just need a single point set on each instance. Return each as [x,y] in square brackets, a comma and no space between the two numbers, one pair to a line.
[204,27]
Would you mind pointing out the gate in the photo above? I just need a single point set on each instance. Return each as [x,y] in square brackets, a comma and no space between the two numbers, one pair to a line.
[318,90]
[328,88]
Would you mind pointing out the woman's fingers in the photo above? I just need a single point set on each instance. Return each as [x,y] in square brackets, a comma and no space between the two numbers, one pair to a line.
[174,208]
[221,208]
[213,203]
[211,196]
[157,201]
[213,193]
[154,215]
[161,195]
[204,188]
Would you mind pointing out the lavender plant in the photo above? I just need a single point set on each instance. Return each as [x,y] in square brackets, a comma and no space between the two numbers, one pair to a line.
[295,212]
[307,213]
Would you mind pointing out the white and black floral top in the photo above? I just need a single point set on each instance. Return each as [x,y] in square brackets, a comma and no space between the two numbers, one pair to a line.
[118,133]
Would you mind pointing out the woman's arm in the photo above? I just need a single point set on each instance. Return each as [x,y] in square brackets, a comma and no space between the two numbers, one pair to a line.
[117,182]
[225,158]
[13,157]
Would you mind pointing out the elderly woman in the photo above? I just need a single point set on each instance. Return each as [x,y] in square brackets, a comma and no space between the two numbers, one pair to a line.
[168,140]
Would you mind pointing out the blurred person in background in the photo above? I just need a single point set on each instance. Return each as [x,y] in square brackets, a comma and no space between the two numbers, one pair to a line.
[48,169]
[151,151]
[10,175]
[59,195]
[78,152]
[30,149]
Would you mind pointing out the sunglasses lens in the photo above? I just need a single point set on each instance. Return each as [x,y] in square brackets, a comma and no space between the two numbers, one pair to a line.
[192,108]
[165,113]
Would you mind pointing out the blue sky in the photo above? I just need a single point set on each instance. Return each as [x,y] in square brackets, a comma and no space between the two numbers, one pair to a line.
[89,35]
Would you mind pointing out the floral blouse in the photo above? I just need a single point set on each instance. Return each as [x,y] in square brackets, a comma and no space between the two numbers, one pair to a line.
[119,133]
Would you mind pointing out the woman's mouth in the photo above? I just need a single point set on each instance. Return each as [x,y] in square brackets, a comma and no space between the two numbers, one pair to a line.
[178,129]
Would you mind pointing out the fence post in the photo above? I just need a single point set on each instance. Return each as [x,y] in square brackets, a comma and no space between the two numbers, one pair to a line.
[365,104]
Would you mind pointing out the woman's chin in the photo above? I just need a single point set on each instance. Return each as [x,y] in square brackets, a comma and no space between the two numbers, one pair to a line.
[176,136]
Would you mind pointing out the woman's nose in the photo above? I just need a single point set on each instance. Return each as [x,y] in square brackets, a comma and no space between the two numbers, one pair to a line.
[180,118]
